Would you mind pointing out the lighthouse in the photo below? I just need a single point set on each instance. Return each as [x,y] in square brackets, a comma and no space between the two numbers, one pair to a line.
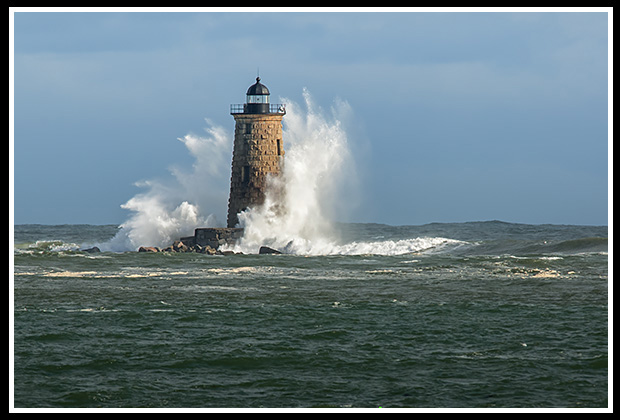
[257,155]
[257,150]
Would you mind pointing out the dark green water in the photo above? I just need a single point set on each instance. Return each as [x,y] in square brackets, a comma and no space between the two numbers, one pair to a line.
[503,315]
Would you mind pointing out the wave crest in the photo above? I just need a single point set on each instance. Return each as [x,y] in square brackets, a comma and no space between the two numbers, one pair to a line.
[387,247]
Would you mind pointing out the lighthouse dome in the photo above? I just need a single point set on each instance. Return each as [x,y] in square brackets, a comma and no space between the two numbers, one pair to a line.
[258,88]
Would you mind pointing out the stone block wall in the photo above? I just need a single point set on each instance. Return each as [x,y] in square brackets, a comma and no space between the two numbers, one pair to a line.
[257,153]
[214,237]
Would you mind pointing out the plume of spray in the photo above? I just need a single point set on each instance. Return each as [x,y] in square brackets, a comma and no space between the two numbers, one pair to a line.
[173,208]
[317,179]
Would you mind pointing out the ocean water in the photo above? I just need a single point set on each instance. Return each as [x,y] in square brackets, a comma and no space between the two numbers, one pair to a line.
[482,314]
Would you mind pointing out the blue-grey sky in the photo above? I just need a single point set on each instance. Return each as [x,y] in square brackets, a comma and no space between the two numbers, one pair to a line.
[456,116]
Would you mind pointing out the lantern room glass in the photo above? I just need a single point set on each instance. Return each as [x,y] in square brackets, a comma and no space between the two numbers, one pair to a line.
[257,99]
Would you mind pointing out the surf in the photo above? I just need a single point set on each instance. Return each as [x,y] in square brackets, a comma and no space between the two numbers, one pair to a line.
[318,184]
[318,178]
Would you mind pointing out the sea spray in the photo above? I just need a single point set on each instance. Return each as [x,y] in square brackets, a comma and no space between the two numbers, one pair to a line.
[317,177]
[317,185]
[173,208]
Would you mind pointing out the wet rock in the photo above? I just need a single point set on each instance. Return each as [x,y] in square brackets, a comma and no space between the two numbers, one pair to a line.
[91,250]
[267,250]
[148,249]
[179,246]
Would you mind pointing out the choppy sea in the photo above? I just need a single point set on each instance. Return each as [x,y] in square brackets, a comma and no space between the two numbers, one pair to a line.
[481,314]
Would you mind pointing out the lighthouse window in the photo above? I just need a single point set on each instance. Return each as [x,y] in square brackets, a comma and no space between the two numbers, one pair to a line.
[248,128]
[245,174]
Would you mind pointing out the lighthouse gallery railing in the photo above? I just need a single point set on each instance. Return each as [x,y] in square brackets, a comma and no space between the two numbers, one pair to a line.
[242,108]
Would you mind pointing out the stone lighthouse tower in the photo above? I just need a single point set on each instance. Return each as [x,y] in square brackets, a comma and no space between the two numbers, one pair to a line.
[257,149]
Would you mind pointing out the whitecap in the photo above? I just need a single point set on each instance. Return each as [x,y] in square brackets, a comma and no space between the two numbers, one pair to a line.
[70,274]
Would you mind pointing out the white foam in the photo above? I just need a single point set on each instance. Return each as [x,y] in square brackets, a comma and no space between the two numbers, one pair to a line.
[70,274]
[173,208]
[301,246]
[389,247]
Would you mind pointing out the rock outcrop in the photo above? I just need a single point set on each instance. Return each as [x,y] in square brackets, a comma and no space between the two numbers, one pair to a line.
[92,250]
[267,250]
[149,249]
[179,246]
[205,241]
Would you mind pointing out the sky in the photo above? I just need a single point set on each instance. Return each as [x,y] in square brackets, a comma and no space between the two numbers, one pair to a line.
[455,116]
